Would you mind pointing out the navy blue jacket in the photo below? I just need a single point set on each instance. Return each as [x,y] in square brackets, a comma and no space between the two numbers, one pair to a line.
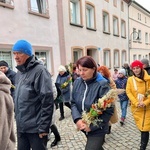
[121,84]
[84,94]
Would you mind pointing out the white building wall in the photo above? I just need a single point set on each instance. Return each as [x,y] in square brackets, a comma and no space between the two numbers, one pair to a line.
[139,47]
[77,36]
[42,32]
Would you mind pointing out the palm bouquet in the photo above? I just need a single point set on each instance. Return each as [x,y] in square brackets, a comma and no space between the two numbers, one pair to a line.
[65,84]
[99,107]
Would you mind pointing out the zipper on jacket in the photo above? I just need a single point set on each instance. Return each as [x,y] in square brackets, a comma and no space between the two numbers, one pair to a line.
[86,87]
[144,110]
[144,117]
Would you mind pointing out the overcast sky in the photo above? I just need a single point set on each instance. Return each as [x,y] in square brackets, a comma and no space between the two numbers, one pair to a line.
[144,3]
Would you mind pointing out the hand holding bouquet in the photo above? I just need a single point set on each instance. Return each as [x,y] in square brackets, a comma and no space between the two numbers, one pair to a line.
[98,108]
[65,84]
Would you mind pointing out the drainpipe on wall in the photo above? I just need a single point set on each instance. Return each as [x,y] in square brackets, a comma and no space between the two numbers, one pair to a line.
[61,35]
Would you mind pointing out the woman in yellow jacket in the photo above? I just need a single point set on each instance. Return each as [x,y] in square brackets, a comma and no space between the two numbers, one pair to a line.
[137,89]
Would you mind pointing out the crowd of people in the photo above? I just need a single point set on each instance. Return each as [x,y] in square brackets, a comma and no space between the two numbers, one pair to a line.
[32,96]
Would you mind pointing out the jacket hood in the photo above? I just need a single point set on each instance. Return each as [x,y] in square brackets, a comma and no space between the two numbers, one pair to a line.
[100,77]
[5,83]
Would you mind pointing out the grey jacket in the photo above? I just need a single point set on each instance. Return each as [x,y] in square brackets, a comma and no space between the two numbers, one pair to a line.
[64,91]
[33,98]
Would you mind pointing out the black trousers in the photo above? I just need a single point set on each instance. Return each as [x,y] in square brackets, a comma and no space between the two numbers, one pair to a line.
[55,132]
[61,107]
[94,143]
[31,140]
[144,140]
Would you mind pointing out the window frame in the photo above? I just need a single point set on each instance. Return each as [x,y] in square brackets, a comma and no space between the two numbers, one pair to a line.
[146,37]
[107,52]
[79,51]
[123,57]
[7,5]
[106,21]
[46,15]
[123,28]
[90,7]
[115,26]
[92,51]
[49,57]
[116,58]
[78,14]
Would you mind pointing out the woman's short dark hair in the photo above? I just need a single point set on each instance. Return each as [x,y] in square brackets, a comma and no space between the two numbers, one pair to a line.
[88,62]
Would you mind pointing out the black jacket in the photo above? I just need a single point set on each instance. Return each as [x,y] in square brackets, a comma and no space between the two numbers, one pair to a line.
[11,75]
[93,90]
[148,69]
[33,98]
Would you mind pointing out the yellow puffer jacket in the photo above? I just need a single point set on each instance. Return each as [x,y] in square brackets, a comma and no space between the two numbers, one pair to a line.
[134,87]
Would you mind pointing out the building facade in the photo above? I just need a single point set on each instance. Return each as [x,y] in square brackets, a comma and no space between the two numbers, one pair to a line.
[98,29]
[62,31]
[139,32]
[32,20]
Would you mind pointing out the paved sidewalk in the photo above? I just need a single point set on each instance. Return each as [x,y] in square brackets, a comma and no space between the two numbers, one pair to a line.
[125,137]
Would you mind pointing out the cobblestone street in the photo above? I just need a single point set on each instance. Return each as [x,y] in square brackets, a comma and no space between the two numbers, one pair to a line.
[121,138]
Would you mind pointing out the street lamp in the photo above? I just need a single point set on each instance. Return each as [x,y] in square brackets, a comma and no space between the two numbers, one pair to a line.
[135,37]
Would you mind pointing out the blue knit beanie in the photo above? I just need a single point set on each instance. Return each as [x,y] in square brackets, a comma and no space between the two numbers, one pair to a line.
[23,46]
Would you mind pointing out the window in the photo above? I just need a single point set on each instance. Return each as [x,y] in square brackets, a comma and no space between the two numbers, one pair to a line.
[116,58]
[90,16]
[146,38]
[39,7]
[139,33]
[134,57]
[134,34]
[115,26]
[107,58]
[139,57]
[93,53]
[7,3]
[123,57]
[106,22]
[75,12]
[6,55]
[139,16]
[123,28]
[122,5]
[42,56]
[77,53]
[146,56]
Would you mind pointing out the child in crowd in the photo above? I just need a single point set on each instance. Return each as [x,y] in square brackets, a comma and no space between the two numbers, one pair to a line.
[115,74]
[121,84]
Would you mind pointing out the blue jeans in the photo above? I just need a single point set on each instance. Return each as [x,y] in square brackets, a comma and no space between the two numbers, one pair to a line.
[123,105]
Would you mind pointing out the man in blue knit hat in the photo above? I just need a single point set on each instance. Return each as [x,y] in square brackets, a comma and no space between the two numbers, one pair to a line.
[33,99]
